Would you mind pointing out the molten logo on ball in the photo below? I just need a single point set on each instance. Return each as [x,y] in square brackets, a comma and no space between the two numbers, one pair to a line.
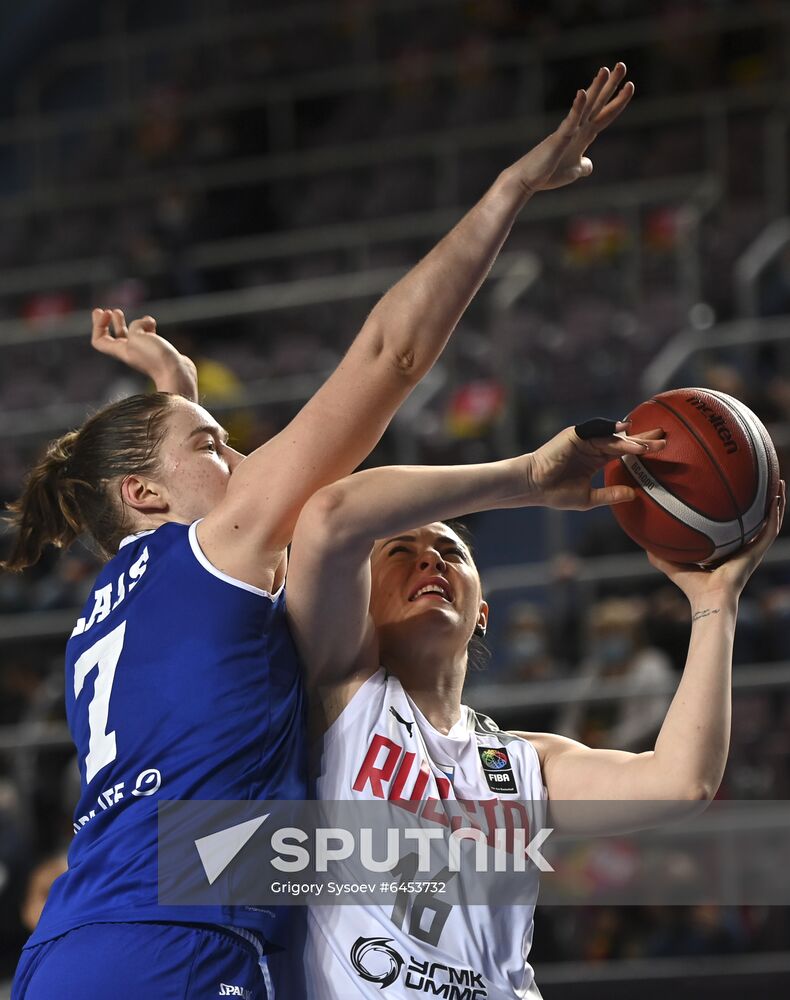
[716,421]
[708,492]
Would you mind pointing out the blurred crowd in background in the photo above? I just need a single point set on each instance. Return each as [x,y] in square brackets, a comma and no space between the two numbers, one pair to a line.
[176,196]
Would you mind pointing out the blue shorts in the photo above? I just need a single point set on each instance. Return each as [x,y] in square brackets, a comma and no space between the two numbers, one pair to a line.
[140,960]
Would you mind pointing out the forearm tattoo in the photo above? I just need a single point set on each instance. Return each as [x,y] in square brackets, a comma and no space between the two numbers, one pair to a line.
[704,614]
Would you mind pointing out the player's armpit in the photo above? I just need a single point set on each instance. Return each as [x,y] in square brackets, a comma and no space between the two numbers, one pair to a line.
[329,701]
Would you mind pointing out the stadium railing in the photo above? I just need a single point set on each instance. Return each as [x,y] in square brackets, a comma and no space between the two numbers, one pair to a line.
[699,191]
[746,333]
[439,147]
[489,698]
[358,238]
[755,259]
[496,580]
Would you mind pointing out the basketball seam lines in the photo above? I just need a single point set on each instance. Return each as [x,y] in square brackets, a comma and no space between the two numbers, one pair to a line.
[757,450]
[712,460]
[656,542]
[674,517]
[702,513]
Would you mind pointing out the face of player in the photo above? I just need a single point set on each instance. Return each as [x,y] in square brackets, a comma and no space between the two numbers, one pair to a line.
[195,462]
[425,585]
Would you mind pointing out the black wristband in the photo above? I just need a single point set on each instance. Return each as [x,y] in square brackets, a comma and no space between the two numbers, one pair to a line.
[598,427]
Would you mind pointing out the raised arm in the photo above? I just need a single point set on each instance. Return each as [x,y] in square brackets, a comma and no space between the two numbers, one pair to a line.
[398,344]
[140,347]
[329,581]
[690,754]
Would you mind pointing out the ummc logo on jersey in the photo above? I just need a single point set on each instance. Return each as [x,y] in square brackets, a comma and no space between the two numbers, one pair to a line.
[376,961]
[391,772]
[444,981]
[383,962]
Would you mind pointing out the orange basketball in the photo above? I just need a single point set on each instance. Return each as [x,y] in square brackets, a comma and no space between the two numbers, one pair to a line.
[709,491]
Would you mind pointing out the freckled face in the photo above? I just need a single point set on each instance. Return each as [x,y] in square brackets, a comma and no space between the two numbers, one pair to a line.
[425,577]
[195,461]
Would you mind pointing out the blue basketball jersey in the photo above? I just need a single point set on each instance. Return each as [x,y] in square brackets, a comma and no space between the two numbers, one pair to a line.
[181,683]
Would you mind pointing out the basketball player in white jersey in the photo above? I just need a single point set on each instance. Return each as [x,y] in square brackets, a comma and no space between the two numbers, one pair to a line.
[383,614]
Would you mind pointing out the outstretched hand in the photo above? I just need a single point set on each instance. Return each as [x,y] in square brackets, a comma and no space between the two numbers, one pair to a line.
[731,575]
[560,471]
[140,347]
[560,159]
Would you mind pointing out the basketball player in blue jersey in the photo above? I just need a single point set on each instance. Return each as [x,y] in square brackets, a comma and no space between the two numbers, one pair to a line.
[383,608]
[182,680]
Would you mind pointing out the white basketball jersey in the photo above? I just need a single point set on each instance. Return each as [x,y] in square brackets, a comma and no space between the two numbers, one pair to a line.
[383,747]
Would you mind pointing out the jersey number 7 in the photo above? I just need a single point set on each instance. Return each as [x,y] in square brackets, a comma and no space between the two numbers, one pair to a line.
[103,654]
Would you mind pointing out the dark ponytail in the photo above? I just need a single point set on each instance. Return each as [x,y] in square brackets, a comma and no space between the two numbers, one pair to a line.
[73,489]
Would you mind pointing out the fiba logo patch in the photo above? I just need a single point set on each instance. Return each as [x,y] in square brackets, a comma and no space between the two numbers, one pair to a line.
[375,961]
[494,760]
[498,770]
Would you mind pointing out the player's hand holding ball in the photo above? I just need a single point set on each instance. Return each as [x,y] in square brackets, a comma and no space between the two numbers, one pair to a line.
[710,491]
[730,577]
[560,472]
